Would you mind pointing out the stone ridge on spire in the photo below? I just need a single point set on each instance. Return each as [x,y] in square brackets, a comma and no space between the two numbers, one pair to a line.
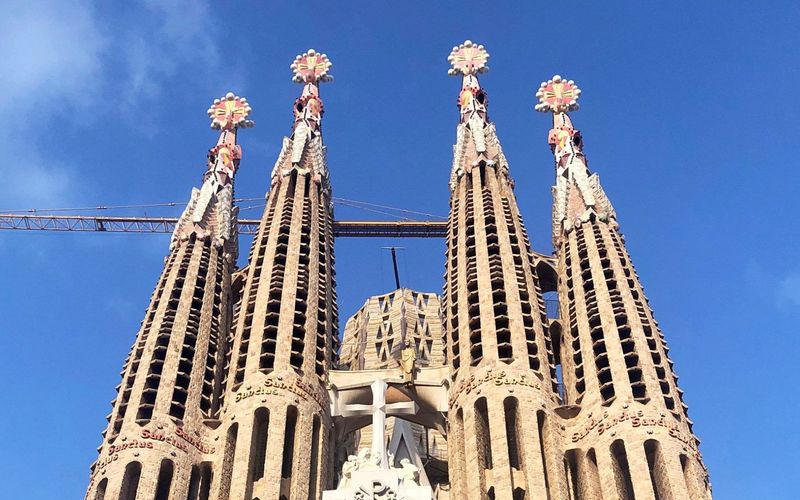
[476,138]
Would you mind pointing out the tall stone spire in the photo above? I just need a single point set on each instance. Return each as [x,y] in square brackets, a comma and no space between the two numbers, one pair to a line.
[504,385]
[615,362]
[158,439]
[276,420]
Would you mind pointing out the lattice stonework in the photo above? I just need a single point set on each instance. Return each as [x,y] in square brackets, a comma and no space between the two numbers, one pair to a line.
[373,339]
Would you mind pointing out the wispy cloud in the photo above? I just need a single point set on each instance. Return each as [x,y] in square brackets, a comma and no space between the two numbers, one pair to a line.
[789,289]
[780,289]
[51,52]
[173,34]
[63,57]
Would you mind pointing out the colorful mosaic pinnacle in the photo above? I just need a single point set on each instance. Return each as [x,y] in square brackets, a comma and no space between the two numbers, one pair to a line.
[311,67]
[468,59]
[557,95]
[230,112]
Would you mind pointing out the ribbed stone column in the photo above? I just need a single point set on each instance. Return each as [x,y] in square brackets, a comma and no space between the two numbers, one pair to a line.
[632,421]
[158,443]
[286,326]
[504,381]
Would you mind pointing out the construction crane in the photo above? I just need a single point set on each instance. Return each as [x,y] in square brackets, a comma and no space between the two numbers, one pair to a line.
[341,229]
[45,220]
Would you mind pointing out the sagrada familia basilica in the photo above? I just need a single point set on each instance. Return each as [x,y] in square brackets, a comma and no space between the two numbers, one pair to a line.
[239,387]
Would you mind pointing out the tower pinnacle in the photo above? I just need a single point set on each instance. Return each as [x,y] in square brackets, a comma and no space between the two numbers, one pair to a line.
[210,212]
[577,194]
[309,68]
[230,112]
[468,59]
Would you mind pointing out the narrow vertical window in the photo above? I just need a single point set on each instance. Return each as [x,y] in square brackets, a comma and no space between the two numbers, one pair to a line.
[459,468]
[194,483]
[573,474]
[657,468]
[692,486]
[590,482]
[510,409]
[540,420]
[622,471]
[164,484]
[288,442]
[227,463]
[483,434]
[258,445]
[315,449]
[130,481]
[100,492]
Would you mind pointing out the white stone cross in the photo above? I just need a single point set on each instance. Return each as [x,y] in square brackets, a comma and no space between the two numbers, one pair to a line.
[379,411]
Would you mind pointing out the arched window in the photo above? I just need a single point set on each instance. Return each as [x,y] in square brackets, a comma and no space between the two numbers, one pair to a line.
[100,492]
[164,484]
[657,468]
[541,421]
[130,481]
[483,434]
[258,444]
[227,462]
[316,446]
[288,442]
[622,472]
[513,432]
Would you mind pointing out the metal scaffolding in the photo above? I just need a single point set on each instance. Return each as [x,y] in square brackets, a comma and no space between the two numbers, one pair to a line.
[341,229]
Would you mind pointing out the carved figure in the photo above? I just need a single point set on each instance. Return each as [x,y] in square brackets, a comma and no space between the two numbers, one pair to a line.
[408,361]
[408,471]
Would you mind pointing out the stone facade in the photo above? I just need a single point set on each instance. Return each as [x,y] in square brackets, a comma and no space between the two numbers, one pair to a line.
[236,386]
[373,340]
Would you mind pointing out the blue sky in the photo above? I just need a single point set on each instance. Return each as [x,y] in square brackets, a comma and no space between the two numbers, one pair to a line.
[688,113]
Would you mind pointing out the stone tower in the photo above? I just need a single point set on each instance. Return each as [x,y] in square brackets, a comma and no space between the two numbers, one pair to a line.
[276,425]
[235,389]
[503,437]
[630,433]
[157,444]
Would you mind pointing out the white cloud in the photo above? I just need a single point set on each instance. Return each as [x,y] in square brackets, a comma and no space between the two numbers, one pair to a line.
[60,57]
[173,33]
[51,52]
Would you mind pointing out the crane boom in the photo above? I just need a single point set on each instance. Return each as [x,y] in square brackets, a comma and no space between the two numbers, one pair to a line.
[77,223]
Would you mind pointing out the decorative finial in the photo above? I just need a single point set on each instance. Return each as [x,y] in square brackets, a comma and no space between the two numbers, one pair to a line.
[557,95]
[229,112]
[468,59]
[311,67]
